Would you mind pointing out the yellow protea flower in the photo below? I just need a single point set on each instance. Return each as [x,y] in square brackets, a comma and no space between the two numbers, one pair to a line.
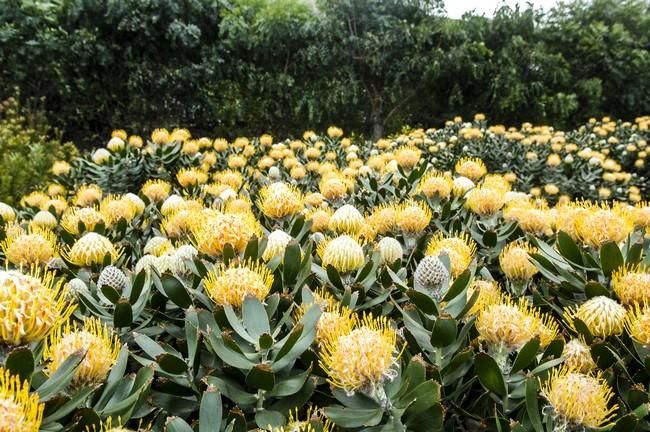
[35,247]
[88,216]
[175,203]
[346,219]
[236,161]
[35,199]
[156,190]
[191,177]
[239,205]
[602,316]
[334,187]
[509,325]
[56,190]
[160,136]
[602,225]
[113,208]
[60,167]
[44,220]
[276,244]
[229,285]
[577,356]
[472,168]
[279,200]
[642,214]
[638,323]
[413,217]
[87,195]
[212,233]
[407,156]
[362,359]
[100,345]
[489,293]
[579,400]
[485,201]
[136,141]
[59,204]
[158,246]
[30,306]
[344,253]
[435,184]
[631,284]
[496,182]
[191,147]
[515,262]
[7,213]
[180,135]
[459,247]
[21,411]
[335,320]
[108,426]
[314,422]
[91,249]
[532,217]
[232,178]
[383,218]
[320,219]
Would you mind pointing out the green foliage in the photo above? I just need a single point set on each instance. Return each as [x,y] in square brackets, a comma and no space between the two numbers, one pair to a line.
[26,150]
[249,66]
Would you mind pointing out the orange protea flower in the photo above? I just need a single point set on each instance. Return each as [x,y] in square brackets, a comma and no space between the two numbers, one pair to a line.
[436,184]
[472,168]
[485,201]
[156,189]
[344,253]
[362,359]
[459,247]
[579,400]
[36,247]
[30,306]
[87,195]
[413,217]
[229,285]
[21,411]
[100,345]
[632,284]
[279,200]
[515,262]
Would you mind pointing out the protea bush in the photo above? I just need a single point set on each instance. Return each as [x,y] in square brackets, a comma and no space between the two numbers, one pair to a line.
[467,278]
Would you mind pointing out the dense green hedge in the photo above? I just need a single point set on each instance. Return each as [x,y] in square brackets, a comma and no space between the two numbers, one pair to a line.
[248,66]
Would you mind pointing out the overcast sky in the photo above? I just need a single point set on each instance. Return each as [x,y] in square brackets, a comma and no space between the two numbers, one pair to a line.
[456,8]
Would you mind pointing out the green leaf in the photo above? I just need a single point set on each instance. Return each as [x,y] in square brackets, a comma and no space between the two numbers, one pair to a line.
[443,332]
[354,418]
[269,419]
[568,248]
[123,313]
[20,361]
[176,291]
[137,287]
[459,285]
[532,406]
[526,355]
[489,374]
[334,277]
[626,423]
[255,318]
[583,330]
[424,302]
[292,262]
[611,258]
[210,411]
[171,364]
[490,239]
[177,424]
[595,289]
[61,377]
[261,377]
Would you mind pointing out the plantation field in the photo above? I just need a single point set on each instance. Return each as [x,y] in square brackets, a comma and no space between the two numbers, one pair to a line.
[472,277]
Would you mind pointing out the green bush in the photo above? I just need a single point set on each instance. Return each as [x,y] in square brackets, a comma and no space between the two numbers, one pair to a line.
[27,150]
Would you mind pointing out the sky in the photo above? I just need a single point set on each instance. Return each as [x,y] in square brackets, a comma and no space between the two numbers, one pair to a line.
[456,8]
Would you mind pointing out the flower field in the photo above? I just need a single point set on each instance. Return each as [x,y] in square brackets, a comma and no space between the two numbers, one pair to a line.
[473,277]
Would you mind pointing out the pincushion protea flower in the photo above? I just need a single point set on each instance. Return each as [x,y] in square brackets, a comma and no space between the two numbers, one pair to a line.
[485,201]
[459,247]
[472,168]
[632,284]
[113,208]
[577,356]
[435,184]
[638,323]
[383,218]
[276,244]
[156,189]
[87,195]
[229,285]
[36,247]
[7,213]
[314,422]
[603,316]
[87,216]
[346,219]
[413,217]
[20,410]
[578,400]
[362,359]
[215,230]
[335,319]
[97,341]
[515,263]
[489,293]
[602,225]
[280,200]
[344,253]
[91,249]
[408,156]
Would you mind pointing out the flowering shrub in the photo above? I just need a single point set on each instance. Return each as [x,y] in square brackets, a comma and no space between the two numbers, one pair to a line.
[431,281]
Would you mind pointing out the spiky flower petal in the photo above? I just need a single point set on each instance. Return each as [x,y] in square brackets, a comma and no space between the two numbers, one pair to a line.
[20,411]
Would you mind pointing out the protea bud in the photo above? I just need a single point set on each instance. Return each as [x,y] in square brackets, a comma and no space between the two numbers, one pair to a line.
[432,274]
[390,250]
[113,277]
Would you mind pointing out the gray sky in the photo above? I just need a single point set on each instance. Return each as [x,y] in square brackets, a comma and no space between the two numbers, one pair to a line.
[456,8]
